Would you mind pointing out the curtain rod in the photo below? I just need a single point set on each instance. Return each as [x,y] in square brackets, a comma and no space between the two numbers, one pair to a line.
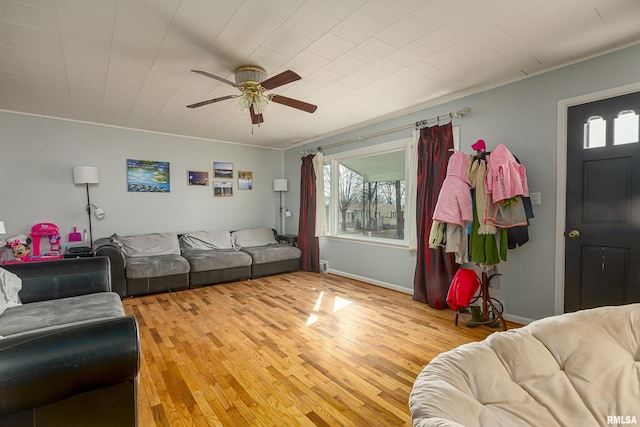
[461,112]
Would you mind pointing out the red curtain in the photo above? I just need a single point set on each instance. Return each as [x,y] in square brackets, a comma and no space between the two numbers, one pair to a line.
[307,240]
[434,267]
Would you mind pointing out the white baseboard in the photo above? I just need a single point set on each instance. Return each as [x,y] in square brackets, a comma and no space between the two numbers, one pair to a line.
[371,281]
[517,319]
[507,316]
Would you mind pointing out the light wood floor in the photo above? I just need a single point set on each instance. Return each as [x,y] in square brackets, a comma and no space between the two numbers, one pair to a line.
[298,349]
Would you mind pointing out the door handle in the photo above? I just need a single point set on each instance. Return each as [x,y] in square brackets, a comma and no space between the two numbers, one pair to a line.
[573,234]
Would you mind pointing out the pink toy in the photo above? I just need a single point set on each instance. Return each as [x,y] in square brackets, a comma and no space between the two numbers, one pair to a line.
[20,247]
[46,229]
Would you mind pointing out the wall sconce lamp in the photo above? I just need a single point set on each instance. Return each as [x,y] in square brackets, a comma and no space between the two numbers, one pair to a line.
[88,175]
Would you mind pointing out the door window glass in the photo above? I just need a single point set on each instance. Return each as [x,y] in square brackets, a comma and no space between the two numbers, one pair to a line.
[625,128]
[595,132]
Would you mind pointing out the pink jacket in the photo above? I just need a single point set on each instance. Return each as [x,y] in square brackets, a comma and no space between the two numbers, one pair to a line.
[505,178]
[454,201]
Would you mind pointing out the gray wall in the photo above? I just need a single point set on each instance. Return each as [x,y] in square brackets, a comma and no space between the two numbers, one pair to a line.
[38,154]
[522,116]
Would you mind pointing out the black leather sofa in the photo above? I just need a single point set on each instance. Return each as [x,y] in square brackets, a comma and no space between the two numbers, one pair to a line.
[69,356]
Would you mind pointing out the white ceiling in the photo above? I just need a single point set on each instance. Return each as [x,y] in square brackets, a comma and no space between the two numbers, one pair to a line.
[127,62]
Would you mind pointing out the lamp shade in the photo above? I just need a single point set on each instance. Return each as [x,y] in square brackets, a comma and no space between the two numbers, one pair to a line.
[85,175]
[279,185]
[2,229]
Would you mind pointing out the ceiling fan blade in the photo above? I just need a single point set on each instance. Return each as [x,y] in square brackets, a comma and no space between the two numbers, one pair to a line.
[256,119]
[280,79]
[290,102]
[211,101]
[220,79]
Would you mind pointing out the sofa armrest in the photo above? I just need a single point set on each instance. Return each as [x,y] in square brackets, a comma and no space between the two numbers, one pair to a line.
[45,367]
[105,247]
[46,280]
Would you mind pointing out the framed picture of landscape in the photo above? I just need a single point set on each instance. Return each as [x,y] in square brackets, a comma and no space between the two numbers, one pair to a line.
[223,170]
[245,180]
[222,188]
[198,178]
[148,176]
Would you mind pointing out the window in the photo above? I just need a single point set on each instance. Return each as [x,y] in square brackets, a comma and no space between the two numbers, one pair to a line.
[595,132]
[365,193]
[625,129]
[327,195]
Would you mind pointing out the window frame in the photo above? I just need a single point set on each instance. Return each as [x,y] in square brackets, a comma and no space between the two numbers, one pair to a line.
[333,160]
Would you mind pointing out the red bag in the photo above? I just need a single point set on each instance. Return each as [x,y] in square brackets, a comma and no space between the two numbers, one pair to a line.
[463,287]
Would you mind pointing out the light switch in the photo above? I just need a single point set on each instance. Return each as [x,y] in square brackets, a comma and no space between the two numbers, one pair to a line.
[536,199]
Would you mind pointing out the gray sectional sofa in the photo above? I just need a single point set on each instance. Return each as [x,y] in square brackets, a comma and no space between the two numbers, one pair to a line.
[162,262]
[267,255]
[145,264]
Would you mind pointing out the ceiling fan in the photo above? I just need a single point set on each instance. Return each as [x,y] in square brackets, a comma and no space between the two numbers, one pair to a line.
[250,80]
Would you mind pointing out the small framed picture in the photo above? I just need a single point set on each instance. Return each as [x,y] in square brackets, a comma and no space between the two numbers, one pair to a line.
[198,178]
[223,170]
[245,180]
[222,188]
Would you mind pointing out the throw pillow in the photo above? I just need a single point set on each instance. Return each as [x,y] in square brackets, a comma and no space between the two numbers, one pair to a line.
[253,237]
[10,285]
[148,244]
[204,240]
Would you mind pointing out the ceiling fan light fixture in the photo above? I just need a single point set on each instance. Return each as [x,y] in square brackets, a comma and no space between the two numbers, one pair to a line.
[258,100]
[250,73]
[260,103]
[250,81]
[252,95]
[244,102]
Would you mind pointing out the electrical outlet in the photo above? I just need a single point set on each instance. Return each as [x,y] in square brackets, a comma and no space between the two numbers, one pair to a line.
[536,199]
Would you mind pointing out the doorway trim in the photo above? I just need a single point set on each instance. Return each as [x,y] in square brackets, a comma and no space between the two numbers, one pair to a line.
[561,178]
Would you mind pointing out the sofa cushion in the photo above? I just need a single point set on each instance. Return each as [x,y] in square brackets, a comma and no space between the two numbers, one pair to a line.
[216,259]
[142,267]
[206,240]
[148,244]
[10,286]
[253,237]
[52,314]
[272,253]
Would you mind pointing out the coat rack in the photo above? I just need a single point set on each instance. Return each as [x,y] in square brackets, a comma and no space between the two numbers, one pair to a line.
[491,308]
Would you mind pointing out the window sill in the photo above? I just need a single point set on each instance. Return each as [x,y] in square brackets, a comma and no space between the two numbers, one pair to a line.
[398,244]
